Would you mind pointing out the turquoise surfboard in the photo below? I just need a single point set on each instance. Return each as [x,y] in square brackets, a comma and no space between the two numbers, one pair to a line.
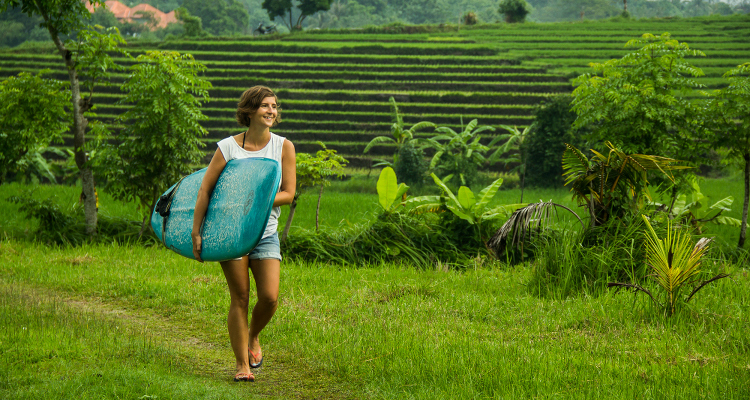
[237,213]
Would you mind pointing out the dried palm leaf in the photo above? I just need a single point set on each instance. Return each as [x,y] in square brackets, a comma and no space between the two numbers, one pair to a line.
[522,224]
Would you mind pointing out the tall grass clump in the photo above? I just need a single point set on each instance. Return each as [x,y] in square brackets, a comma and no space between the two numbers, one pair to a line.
[575,262]
[398,237]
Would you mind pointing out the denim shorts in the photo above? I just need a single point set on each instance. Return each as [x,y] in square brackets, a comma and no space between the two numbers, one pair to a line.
[267,248]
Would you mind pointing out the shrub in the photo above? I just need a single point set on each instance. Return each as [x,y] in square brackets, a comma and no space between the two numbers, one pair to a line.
[470,18]
[546,143]
[410,165]
[514,10]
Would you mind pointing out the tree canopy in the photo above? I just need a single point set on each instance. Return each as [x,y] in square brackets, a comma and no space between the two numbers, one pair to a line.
[161,135]
[32,115]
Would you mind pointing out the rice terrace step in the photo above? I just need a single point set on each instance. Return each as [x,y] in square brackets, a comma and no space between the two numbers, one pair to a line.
[334,85]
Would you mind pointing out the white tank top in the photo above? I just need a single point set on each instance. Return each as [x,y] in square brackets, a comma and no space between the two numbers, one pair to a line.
[231,151]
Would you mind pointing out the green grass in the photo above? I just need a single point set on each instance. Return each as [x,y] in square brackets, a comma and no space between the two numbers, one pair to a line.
[107,321]
[118,321]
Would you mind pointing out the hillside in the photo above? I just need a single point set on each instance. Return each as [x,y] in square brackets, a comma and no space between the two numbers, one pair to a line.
[334,85]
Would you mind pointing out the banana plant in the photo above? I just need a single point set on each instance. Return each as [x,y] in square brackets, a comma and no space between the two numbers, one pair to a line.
[675,263]
[465,204]
[400,134]
[514,140]
[390,194]
[458,150]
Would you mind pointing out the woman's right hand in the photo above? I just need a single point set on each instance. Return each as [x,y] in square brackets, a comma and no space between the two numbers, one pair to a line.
[197,242]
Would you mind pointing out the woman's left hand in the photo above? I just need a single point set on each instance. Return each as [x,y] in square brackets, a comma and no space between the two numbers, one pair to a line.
[197,242]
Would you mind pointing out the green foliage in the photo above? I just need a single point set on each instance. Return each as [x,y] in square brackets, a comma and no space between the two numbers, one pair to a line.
[92,51]
[470,18]
[305,8]
[638,102]
[460,154]
[390,193]
[218,17]
[675,263]
[193,25]
[315,171]
[515,141]
[612,186]
[410,165]
[61,17]
[573,262]
[32,115]
[396,237]
[514,10]
[401,136]
[546,143]
[66,225]
[693,210]
[731,109]
[160,139]
[465,205]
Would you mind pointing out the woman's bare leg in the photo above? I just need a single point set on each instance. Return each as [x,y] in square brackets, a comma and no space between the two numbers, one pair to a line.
[266,274]
[238,281]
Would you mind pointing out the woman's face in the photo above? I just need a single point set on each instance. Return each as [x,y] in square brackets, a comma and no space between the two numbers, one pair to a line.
[266,114]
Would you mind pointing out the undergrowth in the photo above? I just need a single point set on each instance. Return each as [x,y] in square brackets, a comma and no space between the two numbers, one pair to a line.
[67,226]
[402,238]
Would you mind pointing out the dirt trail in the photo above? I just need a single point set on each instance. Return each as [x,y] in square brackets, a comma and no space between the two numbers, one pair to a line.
[210,359]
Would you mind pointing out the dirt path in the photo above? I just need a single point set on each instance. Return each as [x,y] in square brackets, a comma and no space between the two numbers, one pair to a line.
[209,358]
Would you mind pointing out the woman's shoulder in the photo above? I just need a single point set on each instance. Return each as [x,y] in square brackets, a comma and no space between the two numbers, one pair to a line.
[227,140]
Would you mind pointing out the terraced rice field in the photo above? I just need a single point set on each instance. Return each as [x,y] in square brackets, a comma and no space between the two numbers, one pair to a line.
[334,86]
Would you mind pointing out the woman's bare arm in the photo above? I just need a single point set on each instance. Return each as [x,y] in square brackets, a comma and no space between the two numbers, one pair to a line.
[204,194]
[285,194]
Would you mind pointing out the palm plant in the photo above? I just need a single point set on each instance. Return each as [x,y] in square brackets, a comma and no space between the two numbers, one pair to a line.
[675,263]
[514,140]
[460,153]
[400,134]
[612,185]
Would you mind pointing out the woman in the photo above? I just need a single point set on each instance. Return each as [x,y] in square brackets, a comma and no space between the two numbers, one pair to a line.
[258,110]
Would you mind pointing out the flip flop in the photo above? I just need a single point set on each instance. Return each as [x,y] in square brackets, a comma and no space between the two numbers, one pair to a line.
[244,377]
[253,356]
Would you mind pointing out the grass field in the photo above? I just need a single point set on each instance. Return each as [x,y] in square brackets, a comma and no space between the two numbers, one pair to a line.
[109,321]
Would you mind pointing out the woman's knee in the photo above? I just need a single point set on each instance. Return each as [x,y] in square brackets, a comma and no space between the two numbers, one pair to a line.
[268,300]
[241,299]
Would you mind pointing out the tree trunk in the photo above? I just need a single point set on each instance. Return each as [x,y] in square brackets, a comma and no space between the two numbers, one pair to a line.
[289,219]
[523,178]
[79,129]
[743,225]
[625,3]
[317,210]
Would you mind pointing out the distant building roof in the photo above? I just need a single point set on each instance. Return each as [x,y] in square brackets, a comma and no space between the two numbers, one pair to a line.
[124,13]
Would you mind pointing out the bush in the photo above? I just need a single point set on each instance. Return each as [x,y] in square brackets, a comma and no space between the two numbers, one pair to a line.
[411,166]
[514,10]
[470,18]
[546,143]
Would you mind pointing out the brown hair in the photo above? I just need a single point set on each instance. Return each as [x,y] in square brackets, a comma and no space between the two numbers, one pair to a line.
[250,103]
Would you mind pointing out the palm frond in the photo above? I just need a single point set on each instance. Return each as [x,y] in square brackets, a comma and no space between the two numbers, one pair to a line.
[522,223]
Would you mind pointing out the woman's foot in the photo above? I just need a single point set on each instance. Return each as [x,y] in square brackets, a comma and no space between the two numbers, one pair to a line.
[256,359]
[244,377]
